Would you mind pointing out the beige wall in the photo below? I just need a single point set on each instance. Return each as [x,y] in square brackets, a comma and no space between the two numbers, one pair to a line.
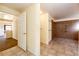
[15,28]
[5,22]
[33,29]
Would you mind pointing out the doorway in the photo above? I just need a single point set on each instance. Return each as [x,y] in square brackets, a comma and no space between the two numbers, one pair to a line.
[8,31]
[2,34]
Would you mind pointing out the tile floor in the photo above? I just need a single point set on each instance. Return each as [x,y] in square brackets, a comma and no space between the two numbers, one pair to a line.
[60,47]
[57,47]
[15,51]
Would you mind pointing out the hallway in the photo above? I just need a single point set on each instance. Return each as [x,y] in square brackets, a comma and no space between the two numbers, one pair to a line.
[61,47]
[21,22]
[8,47]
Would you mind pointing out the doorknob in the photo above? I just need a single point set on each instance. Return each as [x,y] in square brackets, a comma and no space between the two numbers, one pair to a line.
[49,30]
[25,33]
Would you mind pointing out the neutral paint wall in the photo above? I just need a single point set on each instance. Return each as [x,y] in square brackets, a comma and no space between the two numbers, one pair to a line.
[33,29]
[5,22]
[15,29]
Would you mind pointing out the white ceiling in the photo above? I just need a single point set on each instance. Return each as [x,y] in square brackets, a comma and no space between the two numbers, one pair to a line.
[56,10]
[60,10]
[16,6]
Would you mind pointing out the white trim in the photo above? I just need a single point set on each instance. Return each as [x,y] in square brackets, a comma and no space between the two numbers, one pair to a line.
[66,19]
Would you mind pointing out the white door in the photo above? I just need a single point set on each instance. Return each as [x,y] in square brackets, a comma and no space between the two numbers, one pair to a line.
[1,30]
[22,31]
[50,30]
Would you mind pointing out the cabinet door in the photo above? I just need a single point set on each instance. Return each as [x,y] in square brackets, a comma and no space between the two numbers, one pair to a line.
[22,31]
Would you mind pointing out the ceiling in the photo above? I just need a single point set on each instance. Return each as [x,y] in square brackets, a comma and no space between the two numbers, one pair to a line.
[60,10]
[17,6]
[56,10]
